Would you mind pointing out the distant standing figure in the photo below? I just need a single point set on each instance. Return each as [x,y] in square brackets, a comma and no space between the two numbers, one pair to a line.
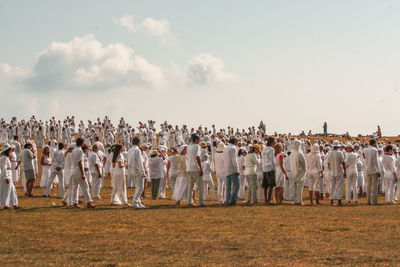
[325,129]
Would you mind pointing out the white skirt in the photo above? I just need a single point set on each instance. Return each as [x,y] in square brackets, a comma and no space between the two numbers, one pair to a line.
[45,175]
[180,190]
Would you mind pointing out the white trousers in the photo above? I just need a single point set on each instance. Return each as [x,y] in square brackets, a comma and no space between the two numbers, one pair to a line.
[8,194]
[389,189]
[78,182]
[242,180]
[96,185]
[49,184]
[336,190]
[288,188]
[221,188]
[209,184]
[139,187]
[351,186]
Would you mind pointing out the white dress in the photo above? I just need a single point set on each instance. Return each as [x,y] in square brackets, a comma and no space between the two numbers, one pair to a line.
[8,194]
[279,175]
[118,195]
[45,172]
[14,164]
[181,184]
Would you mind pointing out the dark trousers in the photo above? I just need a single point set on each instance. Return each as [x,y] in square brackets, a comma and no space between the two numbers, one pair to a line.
[155,184]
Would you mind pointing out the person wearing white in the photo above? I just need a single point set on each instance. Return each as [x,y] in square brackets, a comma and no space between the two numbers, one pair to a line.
[67,176]
[390,176]
[46,165]
[8,194]
[95,168]
[314,172]
[241,159]
[194,171]
[297,169]
[137,172]
[207,178]
[370,156]
[220,172]
[231,171]
[180,189]
[173,170]
[337,169]
[268,168]
[57,169]
[78,178]
[288,189]
[252,161]
[118,194]
[352,174]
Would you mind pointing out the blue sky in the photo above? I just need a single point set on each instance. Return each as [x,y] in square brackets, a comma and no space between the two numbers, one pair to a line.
[292,64]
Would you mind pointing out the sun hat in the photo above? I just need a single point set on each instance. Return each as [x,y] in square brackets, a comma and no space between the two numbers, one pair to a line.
[335,143]
[153,152]
[6,147]
[220,147]
[181,148]
[257,147]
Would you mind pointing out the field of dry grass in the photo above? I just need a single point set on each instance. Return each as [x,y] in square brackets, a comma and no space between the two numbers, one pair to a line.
[44,233]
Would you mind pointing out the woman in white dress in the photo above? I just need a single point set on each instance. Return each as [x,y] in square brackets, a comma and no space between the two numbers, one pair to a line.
[241,158]
[46,164]
[173,170]
[14,166]
[280,173]
[180,189]
[207,178]
[220,172]
[118,195]
[8,193]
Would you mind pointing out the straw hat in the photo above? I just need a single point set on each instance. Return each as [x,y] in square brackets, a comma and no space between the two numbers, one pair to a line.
[257,147]
[6,147]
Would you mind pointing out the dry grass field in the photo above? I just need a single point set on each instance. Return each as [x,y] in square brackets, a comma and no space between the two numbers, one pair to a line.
[44,233]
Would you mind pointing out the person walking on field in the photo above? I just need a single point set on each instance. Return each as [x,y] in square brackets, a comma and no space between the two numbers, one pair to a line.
[57,169]
[297,170]
[194,171]
[314,173]
[268,167]
[137,172]
[231,171]
[27,159]
[78,177]
[338,173]
[352,176]
[370,155]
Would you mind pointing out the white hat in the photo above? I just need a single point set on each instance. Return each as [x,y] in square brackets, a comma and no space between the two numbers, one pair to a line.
[335,143]
[6,147]
[181,148]
[220,147]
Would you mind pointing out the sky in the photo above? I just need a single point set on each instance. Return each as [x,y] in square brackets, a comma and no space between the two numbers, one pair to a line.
[292,64]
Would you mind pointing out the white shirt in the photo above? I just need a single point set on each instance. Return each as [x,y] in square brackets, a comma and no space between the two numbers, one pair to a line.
[135,161]
[192,153]
[268,159]
[230,160]
[389,166]
[77,156]
[93,160]
[57,161]
[351,163]
[219,164]
[251,162]
[370,155]
[335,158]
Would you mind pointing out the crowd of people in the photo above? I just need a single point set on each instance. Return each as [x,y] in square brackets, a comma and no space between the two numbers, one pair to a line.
[77,158]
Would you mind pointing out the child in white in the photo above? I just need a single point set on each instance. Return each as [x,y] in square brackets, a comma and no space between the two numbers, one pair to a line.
[207,178]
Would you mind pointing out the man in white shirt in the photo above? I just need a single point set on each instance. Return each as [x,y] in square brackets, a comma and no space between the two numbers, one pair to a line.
[137,172]
[57,169]
[370,156]
[95,168]
[194,171]
[268,166]
[231,171]
[78,178]
[337,169]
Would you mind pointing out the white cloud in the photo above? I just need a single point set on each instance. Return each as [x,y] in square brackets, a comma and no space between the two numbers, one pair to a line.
[159,29]
[205,68]
[85,63]
[10,76]
[128,22]
[156,27]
